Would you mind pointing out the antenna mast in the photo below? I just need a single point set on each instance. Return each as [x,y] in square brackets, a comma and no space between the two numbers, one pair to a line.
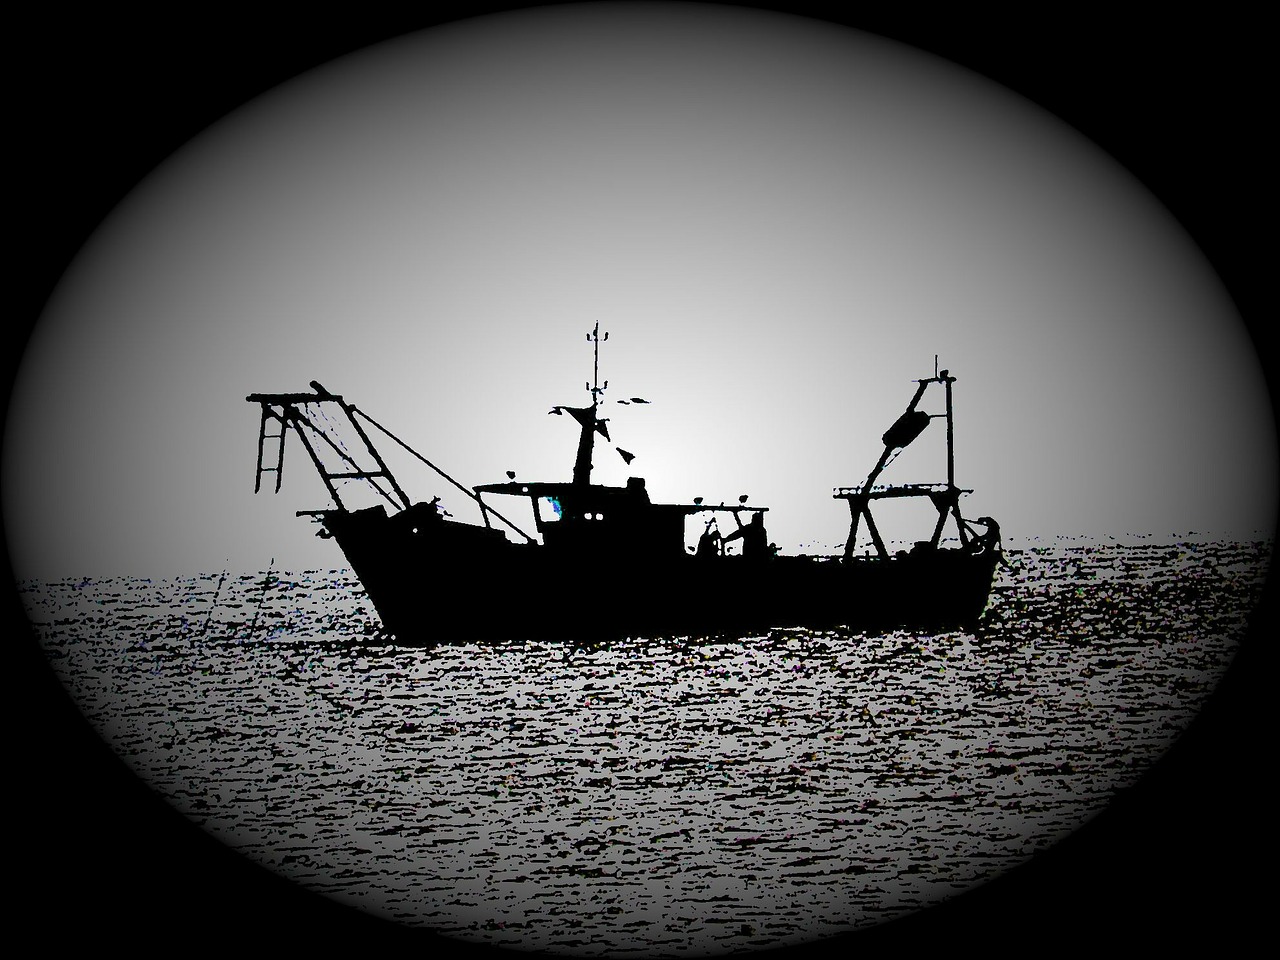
[594,387]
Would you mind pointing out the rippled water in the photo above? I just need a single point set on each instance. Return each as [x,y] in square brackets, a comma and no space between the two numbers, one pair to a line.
[652,795]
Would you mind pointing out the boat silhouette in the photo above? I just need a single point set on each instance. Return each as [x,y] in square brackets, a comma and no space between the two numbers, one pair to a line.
[607,561]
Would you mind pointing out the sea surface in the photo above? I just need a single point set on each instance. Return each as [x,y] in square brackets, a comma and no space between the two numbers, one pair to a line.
[653,796]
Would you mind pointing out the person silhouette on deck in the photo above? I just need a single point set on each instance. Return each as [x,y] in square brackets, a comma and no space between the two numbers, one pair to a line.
[709,543]
[989,539]
[755,542]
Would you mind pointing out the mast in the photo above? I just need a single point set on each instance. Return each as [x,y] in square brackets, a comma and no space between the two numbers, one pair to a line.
[953,492]
[945,377]
[594,387]
[586,418]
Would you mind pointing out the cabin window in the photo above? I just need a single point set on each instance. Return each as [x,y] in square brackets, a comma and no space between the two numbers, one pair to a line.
[554,513]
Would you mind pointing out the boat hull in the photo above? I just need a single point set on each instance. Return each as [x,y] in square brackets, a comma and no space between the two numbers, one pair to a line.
[441,582]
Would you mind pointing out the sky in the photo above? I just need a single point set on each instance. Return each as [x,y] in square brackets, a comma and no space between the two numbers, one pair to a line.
[780,223]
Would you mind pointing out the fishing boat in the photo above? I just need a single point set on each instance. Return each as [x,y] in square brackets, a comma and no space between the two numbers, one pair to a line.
[607,561]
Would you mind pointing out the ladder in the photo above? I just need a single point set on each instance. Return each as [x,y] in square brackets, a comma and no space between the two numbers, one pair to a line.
[270,416]
[286,410]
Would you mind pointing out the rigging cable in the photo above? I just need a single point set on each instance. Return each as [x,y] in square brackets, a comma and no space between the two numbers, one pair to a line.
[485,509]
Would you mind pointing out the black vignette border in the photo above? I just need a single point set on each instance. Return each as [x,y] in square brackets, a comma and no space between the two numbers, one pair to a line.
[103,98]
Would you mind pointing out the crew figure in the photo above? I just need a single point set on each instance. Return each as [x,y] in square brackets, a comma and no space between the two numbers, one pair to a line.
[709,542]
[755,542]
[989,539]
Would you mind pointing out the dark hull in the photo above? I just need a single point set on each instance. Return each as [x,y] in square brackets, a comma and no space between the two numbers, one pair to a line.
[443,582]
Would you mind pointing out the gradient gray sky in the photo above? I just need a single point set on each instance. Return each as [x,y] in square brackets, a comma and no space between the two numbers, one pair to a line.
[779,221]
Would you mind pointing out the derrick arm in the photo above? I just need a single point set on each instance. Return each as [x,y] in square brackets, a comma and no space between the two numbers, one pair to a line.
[291,410]
[890,446]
